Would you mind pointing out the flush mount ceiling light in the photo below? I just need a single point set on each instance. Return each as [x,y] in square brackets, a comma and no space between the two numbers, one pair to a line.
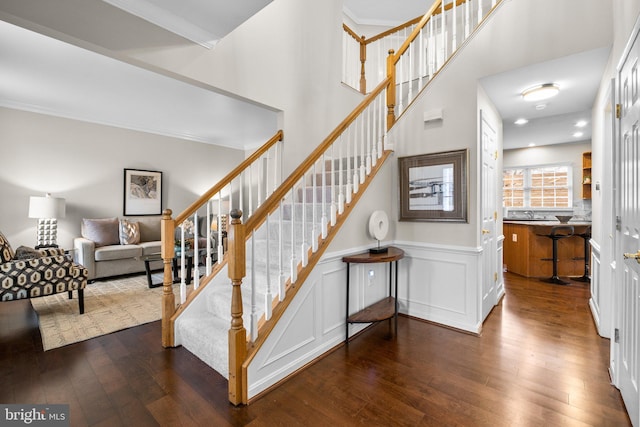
[521,122]
[540,92]
[581,123]
[577,134]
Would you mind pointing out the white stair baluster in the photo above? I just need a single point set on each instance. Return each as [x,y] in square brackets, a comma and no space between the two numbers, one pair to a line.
[294,262]
[421,60]
[363,155]
[346,194]
[220,231]
[207,225]
[467,20]
[443,35]
[430,48]
[250,201]
[356,178]
[268,297]
[324,221]
[260,181]
[303,243]
[240,196]
[334,206]
[254,309]
[454,14]
[341,175]
[399,83]
[381,124]
[283,278]
[195,263]
[314,208]
[374,131]
[183,266]
[369,141]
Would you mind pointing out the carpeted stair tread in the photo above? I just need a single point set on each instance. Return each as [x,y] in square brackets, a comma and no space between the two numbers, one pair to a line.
[207,338]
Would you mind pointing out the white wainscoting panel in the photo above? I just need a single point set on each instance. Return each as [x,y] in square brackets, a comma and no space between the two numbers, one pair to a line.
[312,325]
[442,284]
[595,302]
[500,268]
[436,283]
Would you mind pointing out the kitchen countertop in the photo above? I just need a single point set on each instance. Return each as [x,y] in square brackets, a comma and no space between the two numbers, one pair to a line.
[544,222]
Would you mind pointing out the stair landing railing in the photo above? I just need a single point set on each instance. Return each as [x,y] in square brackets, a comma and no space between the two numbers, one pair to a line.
[421,47]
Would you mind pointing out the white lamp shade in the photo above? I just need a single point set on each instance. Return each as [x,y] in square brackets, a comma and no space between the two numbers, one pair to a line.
[46,207]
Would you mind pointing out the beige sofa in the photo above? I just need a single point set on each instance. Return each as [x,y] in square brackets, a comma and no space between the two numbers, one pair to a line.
[103,252]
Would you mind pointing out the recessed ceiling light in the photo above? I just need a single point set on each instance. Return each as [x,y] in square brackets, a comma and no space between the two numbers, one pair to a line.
[521,121]
[540,92]
[581,123]
[541,106]
[577,134]
[532,144]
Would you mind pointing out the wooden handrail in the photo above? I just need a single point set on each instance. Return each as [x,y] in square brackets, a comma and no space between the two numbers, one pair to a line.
[359,39]
[393,30]
[228,178]
[416,31]
[274,199]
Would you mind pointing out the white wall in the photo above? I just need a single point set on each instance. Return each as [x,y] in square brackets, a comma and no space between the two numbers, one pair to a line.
[84,163]
[291,60]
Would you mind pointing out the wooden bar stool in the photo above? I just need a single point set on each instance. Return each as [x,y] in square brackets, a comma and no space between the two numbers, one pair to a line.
[586,235]
[556,233]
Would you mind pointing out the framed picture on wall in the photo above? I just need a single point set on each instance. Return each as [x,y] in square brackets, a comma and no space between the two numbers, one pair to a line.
[433,187]
[142,192]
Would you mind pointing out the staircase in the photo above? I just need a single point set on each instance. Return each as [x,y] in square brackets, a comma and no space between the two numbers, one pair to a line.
[279,229]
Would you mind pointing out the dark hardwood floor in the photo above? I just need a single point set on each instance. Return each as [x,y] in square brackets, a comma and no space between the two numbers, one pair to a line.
[538,362]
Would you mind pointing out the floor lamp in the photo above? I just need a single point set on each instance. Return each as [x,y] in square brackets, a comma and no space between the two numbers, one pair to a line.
[47,209]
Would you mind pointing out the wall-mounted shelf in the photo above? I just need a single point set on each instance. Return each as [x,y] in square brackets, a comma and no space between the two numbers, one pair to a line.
[586,175]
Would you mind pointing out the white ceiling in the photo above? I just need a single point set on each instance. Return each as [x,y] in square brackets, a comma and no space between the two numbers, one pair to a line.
[385,12]
[48,76]
[203,22]
[578,77]
[45,75]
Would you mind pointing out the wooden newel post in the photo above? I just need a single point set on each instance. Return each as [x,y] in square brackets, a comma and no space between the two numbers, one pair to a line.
[391,89]
[237,334]
[167,253]
[363,60]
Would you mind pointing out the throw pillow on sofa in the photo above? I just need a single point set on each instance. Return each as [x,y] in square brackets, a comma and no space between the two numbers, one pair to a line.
[25,252]
[129,232]
[102,231]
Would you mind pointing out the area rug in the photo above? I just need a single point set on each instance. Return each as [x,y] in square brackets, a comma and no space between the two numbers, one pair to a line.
[109,306]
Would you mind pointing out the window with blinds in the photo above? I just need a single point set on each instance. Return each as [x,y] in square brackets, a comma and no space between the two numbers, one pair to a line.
[538,187]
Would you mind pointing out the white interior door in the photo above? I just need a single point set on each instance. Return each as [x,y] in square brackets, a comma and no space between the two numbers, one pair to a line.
[627,288]
[489,214]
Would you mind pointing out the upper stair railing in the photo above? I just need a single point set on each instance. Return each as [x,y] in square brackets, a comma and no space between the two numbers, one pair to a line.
[246,187]
[420,48]
[364,60]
